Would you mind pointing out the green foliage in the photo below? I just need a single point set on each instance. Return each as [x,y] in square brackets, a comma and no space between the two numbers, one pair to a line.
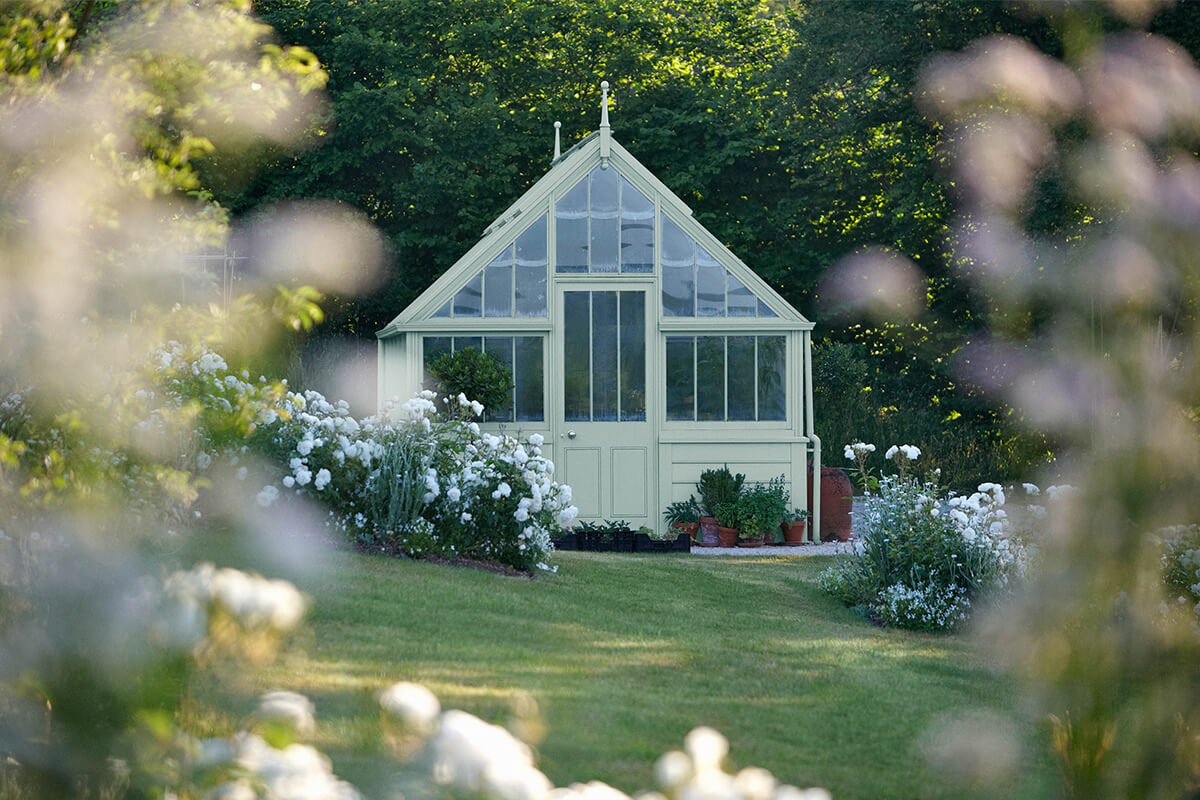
[476,375]
[682,511]
[760,509]
[920,559]
[1181,565]
[442,113]
[719,487]
[607,526]
[862,393]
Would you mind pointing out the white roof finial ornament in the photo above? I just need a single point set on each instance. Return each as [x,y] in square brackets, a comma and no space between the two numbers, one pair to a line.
[557,141]
[605,131]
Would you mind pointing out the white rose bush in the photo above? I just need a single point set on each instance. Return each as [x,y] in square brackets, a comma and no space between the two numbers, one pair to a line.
[422,479]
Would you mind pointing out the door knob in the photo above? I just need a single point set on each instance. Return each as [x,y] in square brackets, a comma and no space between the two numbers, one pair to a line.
[570,434]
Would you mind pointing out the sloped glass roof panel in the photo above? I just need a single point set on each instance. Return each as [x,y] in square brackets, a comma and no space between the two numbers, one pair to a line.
[605,225]
[637,230]
[531,270]
[710,285]
[469,300]
[571,230]
[694,284]
[740,301]
[498,285]
[678,271]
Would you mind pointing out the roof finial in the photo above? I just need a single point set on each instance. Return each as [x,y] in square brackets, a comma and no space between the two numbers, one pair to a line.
[557,142]
[604,106]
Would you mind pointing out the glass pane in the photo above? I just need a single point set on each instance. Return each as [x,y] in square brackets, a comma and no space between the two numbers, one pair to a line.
[433,346]
[681,378]
[710,285]
[571,230]
[605,232]
[710,377]
[528,377]
[637,230]
[444,311]
[498,286]
[469,300]
[463,342]
[679,282]
[742,303]
[633,356]
[772,378]
[604,356]
[741,378]
[577,387]
[500,348]
[764,310]
[531,270]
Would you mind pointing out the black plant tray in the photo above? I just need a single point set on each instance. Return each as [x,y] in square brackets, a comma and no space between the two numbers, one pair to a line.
[621,542]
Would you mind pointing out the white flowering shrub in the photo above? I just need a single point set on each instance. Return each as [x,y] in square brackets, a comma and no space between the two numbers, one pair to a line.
[466,754]
[924,607]
[923,556]
[1181,565]
[422,480]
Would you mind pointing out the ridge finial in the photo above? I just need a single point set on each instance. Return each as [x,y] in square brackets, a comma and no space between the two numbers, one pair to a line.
[604,104]
[557,141]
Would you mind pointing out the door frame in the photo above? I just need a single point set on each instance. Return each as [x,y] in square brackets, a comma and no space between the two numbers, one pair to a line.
[609,282]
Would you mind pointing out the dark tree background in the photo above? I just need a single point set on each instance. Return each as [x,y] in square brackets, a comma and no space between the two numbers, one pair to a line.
[790,128]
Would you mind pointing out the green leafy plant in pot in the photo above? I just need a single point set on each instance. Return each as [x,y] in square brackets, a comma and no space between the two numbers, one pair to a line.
[726,517]
[717,487]
[794,525]
[684,516]
[759,512]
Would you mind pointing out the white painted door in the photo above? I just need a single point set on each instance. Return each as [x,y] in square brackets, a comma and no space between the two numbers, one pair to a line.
[605,443]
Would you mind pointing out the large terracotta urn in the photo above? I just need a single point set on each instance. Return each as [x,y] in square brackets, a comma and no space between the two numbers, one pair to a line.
[837,501]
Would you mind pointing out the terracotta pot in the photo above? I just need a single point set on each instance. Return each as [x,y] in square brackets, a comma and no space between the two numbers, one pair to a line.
[793,532]
[837,501]
[706,535]
[727,537]
[687,527]
[758,541]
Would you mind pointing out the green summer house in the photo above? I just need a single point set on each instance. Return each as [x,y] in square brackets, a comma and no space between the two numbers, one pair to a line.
[641,348]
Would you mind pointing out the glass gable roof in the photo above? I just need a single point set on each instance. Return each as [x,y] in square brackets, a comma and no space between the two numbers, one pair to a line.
[604,224]
[512,285]
[694,284]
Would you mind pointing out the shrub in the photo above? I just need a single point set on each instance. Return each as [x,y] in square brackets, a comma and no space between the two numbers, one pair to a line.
[922,557]
[762,508]
[718,487]
[1181,564]
[476,375]
[428,482]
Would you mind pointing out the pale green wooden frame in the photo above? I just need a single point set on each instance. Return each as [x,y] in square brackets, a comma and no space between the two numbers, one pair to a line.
[400,341]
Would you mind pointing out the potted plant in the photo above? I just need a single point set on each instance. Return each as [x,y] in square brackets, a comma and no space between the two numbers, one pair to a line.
[684,516]
[794,524]
[726,516]
[759,512]
[716,487]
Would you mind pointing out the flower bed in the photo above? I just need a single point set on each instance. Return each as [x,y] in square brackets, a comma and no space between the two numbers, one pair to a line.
[924,556]
[427,482]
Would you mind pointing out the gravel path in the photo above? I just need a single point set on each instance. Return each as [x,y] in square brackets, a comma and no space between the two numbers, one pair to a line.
[823,549]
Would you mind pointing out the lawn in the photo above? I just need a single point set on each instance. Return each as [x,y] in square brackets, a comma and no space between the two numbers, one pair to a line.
[625,654]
